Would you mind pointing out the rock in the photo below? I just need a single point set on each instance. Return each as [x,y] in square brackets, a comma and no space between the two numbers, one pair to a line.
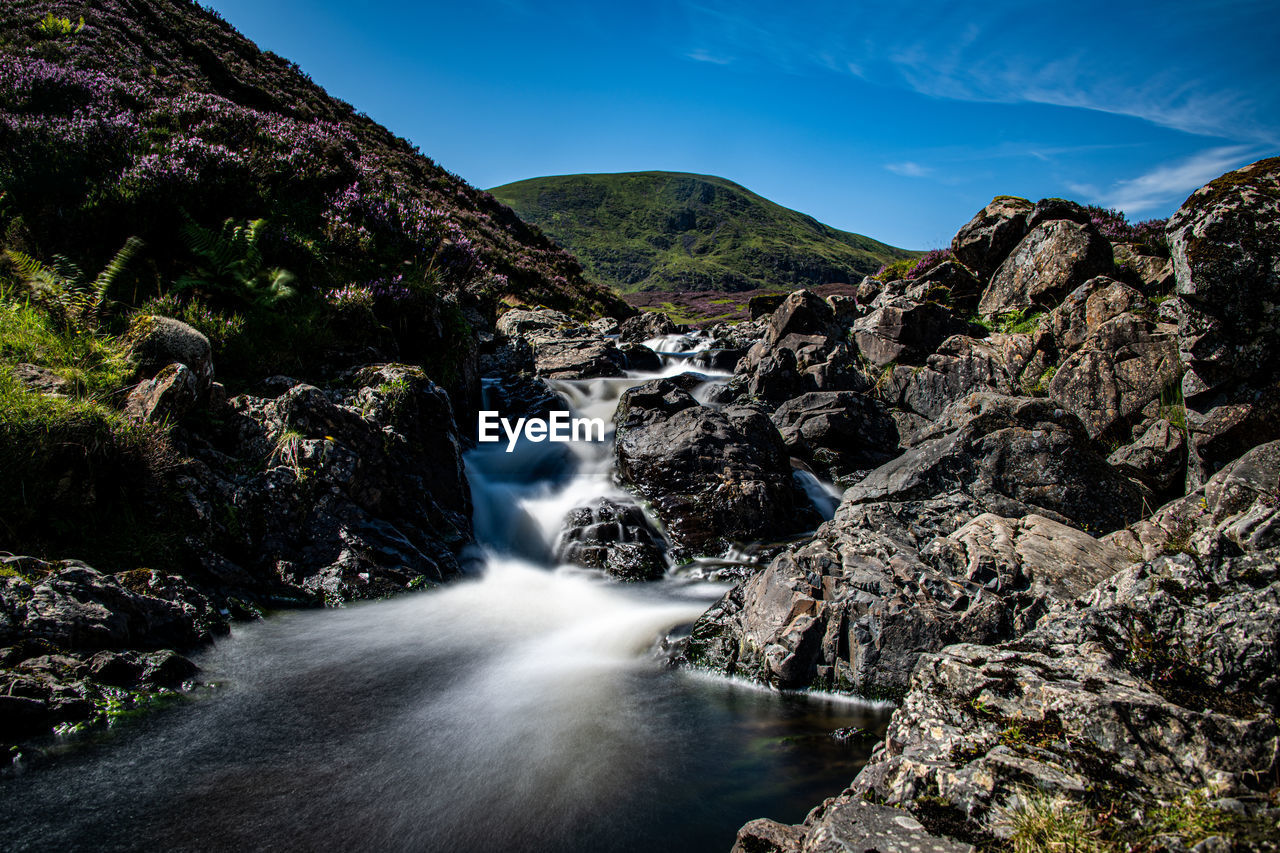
[1089,306]
[1154,274]
[960,287]
[156,342]
[905,332]
[1238,510]
[837,431]
[712,476]
[42,380]
[1052,209]
[645,326]
[1051,261]
[562,347]
[776,378]
[614,537]
[78,607]
[605,326]
[847,825]
[1013,456]
[984,242]
[1220,432]
[165,398]
[640,357]
[1159,683]
[1125,363]
[961,366]
[801,313]
[1225,247]
[768,836]
[1158,458]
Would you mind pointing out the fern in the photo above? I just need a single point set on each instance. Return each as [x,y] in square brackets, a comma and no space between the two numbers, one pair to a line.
[61,290]
[230,266]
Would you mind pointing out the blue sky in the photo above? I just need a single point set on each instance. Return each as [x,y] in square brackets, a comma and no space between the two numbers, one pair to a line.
[895,121]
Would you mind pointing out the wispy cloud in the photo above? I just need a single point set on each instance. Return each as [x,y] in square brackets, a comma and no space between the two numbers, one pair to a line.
[1169,181]
[909,169]
[1201,66]
[700,55]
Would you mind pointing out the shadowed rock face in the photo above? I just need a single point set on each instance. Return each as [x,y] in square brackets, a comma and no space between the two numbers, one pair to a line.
[984,242]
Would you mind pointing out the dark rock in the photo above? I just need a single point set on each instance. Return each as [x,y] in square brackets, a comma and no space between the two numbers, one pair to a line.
[764,304]
[640,357]
[1052,209]
[165,398]
[837,431]
[1014,456]
[961,366]
[712,476]
[905,332]
[647,325]
[614,537]
[1125,363]
[960,287]
[984,242]
[847,824]
[775,378]
[1051,261]
[1152,273]
[42,380]
[801,313]
[562,347]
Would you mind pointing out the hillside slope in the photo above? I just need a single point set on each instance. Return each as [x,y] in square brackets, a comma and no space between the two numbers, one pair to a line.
[117,118]
[677,231]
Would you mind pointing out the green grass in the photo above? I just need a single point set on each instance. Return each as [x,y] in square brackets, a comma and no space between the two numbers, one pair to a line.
[675,231]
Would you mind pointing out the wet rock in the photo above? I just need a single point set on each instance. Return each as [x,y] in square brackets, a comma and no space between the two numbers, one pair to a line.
[646,326]
[1124,364]
[614,537]
[640,357]
[837,431]
[1158,458]
[156,342]
[843,824]
[1051,261]
[165,398]
[712,476]
[905,332]
[562,347]
[984,242]
[1013,456]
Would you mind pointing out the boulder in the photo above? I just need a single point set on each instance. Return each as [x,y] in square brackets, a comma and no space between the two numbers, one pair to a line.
[1158,459]
[646,326]
[837,431]
[1126,362]
[1160,683]
[712,476]
[164,398]
[960,366]
[1052,209]
[905,332]
[984,242]
[156,342]
[562,347]
[1010,455]
[1225,246]
[1051,261]
[846,825]
[1089,306]
[612,536]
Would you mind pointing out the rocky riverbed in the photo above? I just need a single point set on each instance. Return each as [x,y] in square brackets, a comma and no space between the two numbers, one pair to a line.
[1055,550]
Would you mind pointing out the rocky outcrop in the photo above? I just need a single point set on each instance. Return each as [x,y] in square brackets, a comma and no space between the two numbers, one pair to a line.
[1158,458]
[960,366]
[1051,261]
[646,326]
[155,342]
[562,347]
[984,242]
[1010,455]
[843,824]
[905,332]
[1225,245]
[164,398]
[712,476]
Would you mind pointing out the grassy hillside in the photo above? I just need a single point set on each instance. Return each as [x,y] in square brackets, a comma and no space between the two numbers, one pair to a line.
[676,231]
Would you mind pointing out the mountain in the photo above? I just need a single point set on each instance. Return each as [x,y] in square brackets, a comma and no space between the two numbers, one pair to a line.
[678,231]
[126,116]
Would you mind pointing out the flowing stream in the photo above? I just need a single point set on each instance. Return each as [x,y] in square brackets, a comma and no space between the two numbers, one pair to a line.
[519,709]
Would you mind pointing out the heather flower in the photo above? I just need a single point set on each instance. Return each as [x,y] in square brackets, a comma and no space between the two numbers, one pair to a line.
[930,260]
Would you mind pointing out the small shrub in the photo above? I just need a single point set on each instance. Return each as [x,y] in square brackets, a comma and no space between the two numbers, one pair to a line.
[53,27]
[1046,823]
[895,271]
[930,260]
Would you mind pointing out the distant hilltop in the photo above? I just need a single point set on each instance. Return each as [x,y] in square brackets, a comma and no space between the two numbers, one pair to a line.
[673,231]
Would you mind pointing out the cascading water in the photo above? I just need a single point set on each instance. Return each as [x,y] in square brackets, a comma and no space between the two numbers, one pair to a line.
[520,709]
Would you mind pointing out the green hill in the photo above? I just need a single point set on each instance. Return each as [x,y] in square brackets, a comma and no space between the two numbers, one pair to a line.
[677,231]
